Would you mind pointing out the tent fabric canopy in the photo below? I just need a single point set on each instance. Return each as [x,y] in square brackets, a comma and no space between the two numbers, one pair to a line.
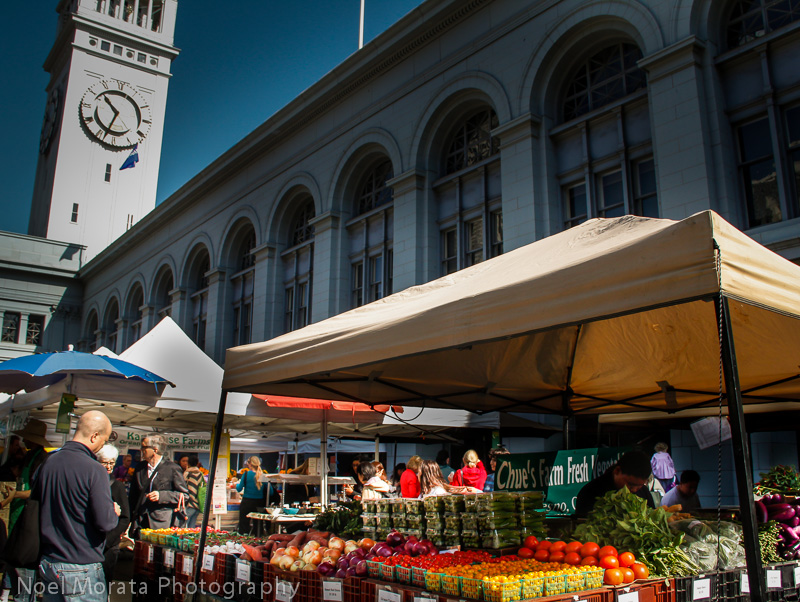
[613,315]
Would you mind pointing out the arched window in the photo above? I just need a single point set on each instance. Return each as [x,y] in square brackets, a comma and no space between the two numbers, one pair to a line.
[90,333]
[199,298]
[162,298]
[607,76]
[603,146]
[371,236]
[298,266]
[134,315]
[752,19]
[766,127]
[468,194]
[242,285]
[110,326]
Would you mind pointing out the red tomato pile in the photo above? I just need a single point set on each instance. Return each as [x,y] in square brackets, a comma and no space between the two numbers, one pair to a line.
[438,561]
[619,568]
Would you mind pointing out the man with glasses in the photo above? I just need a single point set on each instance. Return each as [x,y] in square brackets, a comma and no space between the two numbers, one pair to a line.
[157,488]
[76,512]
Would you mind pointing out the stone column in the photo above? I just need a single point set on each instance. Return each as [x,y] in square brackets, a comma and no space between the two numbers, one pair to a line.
[263,297]
[411,239]
[327,278]
[179,309]
[681,142]
[218,322]
[525,213]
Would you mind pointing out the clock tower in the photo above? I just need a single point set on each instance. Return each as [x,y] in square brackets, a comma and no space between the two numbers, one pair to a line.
[106,100]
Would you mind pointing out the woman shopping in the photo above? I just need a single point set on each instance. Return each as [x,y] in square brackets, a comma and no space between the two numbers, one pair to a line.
[253,496]
[432,482]
[472,474]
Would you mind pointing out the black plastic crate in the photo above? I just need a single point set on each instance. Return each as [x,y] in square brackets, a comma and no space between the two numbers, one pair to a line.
[685,586]
[788,592]
[729,586]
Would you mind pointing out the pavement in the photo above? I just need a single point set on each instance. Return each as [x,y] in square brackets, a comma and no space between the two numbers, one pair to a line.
[120,588]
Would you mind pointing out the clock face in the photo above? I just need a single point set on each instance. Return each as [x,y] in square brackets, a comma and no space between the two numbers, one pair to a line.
[50,119]
[115,114]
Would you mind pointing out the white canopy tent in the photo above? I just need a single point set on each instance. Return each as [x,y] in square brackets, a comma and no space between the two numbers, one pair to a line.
[614,315]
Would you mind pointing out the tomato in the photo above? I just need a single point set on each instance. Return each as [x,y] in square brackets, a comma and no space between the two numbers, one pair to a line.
[531,542]
[557,556]
[627,575]
[572,558]
[589,549]
[589,561]
[640,571]
[544,545]
[558,546]
[607,551]
[609,562]
[626,559]
[542,555]
[573,546]
[612,577]
[525,553]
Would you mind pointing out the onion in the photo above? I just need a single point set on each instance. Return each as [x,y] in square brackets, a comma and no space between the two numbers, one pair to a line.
[385,552]
[342,563]
[341,574]
[395,539]
[354,561]
[361,568]
[359,552]
[351,572]
[326,568]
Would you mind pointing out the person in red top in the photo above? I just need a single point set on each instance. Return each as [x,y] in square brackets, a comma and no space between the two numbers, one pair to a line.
[409,481]
[473,474]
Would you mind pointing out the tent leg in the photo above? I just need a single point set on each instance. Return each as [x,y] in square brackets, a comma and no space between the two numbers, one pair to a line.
[223,398]
[741,455]
[324,494]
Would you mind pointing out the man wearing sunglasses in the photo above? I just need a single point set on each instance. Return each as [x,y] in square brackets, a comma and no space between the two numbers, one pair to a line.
[157,489]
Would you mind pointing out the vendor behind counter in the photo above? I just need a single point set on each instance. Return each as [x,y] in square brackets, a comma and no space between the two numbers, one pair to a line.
[631,471]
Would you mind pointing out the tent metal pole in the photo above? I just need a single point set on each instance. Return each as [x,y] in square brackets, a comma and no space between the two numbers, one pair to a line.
[223,398]
[324,494]
[741,456]
[377,448]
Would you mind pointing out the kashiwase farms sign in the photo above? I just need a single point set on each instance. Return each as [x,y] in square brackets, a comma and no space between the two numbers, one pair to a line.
[559,475]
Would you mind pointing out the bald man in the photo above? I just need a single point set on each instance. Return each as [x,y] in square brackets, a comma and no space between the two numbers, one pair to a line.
[76,513]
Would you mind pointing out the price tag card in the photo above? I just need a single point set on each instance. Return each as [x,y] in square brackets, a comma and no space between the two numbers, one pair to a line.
[283,591]
[149,553]
[169,558]
[385,595]
[745,582]
[242,570]
[332,590]
[773,579]
[188,564]
[628,597]
[797,576]
[423,597]
[208,562]
[701,589]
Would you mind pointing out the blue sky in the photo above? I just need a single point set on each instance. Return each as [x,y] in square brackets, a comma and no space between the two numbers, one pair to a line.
[240,61]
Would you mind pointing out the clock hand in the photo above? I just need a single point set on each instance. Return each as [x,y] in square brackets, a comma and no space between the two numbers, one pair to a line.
[116,114]
[113,108]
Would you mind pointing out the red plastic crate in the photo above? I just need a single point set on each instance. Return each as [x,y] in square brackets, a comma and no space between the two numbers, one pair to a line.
[651,590]
[181,580]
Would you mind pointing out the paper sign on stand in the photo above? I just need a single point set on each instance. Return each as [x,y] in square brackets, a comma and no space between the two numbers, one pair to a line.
[332,590]
[385,595]
[208,562]
[745,582]
[774,579]
[283,591]
[242,570]
[629,597]
[701,589]
[169,558]
[188,564]
[219,492]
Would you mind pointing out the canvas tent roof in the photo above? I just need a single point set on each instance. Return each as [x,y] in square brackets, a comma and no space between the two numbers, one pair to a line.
[613,315]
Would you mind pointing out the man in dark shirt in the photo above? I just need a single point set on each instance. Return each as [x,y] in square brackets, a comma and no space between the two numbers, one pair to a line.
[76,512]
[631,471]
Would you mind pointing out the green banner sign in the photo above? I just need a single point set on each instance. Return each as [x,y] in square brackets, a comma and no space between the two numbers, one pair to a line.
[65,409]
[559,475]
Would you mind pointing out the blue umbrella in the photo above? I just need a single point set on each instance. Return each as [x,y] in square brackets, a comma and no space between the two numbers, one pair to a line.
[32,372]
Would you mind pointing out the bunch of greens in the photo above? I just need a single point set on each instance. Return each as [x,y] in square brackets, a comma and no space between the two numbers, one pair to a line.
[624,521]
[783,479]
[768,542]
[343,520]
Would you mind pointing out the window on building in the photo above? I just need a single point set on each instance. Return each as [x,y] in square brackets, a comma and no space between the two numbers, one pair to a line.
[752,19]
[199,300]
[242,285]
[108,172]
[33,336]
[371,236]
[468,194]
[162,295]
[117,50]
[141,57]
[111,325]
[603,146]
[74,217]
[298,266]
[90,333]
[106,46]
[11,327]
[134,315]
[607,76]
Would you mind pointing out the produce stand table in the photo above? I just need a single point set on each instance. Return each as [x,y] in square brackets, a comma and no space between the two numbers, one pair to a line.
[277,524]
[301,479]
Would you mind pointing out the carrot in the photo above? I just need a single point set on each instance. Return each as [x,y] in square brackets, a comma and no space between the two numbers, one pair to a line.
[298,540]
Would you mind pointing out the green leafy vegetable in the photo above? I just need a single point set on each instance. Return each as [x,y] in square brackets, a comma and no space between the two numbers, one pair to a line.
[623,520]
[344,520]
[781,478]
